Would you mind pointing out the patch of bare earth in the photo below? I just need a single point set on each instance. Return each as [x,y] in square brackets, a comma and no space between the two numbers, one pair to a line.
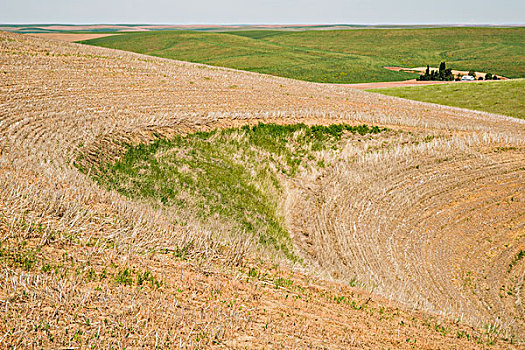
[414,82]
[391,84]
[454,71]
[410,239]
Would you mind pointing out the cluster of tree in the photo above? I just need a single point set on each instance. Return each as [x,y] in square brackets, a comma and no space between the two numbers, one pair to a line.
[443,74]
[489,76]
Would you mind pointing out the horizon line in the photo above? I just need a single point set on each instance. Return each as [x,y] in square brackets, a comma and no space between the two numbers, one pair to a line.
[263,24]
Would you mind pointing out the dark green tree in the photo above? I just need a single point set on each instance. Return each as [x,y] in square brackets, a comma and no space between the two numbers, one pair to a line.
[448,75]
[442,73]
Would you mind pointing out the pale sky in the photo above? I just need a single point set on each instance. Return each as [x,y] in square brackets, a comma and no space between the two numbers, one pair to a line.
[263,11]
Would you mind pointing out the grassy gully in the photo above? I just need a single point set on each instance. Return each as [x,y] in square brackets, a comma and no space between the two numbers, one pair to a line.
[231,175]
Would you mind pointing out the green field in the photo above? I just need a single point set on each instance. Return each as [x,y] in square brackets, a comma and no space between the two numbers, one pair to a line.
[337,56]
[502,97]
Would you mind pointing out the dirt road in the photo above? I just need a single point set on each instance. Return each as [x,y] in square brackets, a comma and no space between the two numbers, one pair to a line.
[391,84]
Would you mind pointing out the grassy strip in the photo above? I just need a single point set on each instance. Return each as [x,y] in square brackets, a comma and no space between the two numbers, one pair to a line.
[502,97]
[231,174]
[337,56]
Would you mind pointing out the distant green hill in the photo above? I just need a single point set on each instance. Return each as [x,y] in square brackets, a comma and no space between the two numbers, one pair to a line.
[502,97]
[337,56]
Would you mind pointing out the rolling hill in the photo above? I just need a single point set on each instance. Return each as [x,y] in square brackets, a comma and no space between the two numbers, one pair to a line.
[502,97]
[337,56]
[406,233]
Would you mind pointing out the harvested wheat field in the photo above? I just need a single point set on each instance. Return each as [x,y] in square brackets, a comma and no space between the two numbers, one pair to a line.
[69,36]
[407,235]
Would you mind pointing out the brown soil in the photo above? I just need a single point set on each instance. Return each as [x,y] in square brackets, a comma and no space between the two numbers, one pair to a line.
[423,69]
[391,84]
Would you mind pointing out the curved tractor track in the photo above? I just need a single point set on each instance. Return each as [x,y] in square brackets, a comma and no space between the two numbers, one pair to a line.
[434,227]
[430,215]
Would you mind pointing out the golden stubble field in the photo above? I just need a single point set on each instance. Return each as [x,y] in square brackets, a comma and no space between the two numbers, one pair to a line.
[71,37]
[426,222]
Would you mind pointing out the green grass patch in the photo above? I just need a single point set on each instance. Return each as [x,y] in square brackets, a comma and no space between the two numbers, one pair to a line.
[129,277]
[337,56]
[517,259]
[232,174]
[502,97]
[18,256]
